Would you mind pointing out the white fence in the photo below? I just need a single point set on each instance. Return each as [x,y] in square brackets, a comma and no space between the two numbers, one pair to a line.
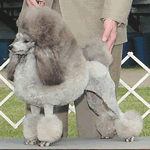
[72,108]
[132,90]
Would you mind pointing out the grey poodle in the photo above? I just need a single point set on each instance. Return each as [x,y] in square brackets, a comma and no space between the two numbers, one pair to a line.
[49,68]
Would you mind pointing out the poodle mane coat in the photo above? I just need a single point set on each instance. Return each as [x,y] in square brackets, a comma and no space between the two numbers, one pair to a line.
[51,36]
[49,68]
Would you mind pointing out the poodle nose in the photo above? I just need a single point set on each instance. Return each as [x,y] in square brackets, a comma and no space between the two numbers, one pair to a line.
[10,47]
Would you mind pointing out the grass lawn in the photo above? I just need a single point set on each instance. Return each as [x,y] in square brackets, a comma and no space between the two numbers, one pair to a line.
[15,110]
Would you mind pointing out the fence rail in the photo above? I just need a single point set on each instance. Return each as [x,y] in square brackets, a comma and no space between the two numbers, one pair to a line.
[72,108]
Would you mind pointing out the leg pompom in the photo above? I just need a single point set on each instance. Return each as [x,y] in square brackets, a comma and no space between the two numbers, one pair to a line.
[49,129]
[30,128]
[129,125]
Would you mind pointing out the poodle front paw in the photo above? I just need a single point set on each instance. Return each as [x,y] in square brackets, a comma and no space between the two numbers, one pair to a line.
[30,128]
[49,130]
[45,144]
[131,139]
[31,142]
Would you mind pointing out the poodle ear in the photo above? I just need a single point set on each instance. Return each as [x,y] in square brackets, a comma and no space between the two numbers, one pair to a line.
[49,69]
[14,61]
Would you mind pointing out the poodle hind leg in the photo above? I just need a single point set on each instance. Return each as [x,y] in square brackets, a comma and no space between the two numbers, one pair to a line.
[103,86]
[30,126]
[49,127]
[127,125]
[105,121]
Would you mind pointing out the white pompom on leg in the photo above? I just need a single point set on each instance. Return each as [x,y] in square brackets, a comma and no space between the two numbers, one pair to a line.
[49,130]
[30,129]
[129,125]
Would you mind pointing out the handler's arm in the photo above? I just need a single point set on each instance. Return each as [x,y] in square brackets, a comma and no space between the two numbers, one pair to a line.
[114,11]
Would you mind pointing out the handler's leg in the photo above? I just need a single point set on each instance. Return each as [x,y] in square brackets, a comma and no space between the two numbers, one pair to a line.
[86,118]
[62,114]
[115,67]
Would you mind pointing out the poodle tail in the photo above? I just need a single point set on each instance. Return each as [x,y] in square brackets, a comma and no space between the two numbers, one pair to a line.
[130,124]
[96,50]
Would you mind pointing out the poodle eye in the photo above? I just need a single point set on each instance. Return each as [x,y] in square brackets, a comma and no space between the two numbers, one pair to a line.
[26,41]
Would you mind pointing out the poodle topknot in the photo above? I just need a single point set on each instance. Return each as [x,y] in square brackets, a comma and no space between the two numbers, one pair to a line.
[44,26]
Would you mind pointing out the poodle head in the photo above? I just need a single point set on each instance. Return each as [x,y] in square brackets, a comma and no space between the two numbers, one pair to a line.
[21,45]
[43,29]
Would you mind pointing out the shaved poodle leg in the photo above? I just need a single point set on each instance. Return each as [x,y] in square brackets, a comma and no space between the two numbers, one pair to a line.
[49,127]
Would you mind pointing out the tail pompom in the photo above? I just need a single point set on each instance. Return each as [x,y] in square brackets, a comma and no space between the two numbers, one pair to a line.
[129,125]
[96,50]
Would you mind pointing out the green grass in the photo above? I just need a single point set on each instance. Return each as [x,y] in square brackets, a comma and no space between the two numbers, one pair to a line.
[15,110]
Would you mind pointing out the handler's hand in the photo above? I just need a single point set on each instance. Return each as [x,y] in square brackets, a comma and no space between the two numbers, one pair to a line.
[110,33]
[34,3]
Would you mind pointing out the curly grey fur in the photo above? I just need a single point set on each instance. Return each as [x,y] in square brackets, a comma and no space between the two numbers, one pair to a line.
[50,62]
[47,29]
[49,68]
[29,129]
[44,26]
[96,50]
[129,125]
